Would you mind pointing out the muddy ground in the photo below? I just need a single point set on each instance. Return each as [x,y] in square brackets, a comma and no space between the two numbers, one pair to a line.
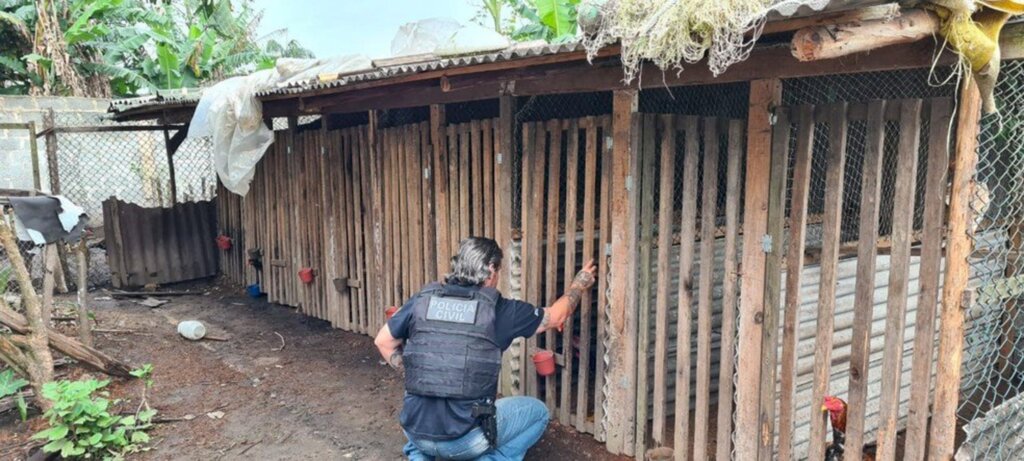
[324,395]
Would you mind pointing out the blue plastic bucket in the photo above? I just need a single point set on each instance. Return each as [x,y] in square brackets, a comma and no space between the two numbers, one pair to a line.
[254,290]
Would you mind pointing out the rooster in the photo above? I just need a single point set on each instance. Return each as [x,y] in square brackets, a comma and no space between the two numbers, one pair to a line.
[836,408]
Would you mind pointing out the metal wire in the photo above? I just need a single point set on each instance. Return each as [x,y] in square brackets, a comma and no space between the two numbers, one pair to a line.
[993,345]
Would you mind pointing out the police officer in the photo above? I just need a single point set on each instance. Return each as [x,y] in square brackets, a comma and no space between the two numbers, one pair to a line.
[449,339]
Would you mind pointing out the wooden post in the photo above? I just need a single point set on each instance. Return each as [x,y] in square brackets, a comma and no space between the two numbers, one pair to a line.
[34,149]
[439,143]
[621,371]
[376,208]
[172,180]
[958,247]
[84,323]
[505,131]
[765,95]
[50,264]
[51,151]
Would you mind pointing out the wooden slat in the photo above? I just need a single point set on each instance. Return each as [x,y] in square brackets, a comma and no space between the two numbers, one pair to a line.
[648,163]
[488,178]
[931,259]
[571,183]
[454,200]
[794,267]
[465,184]
[536,239]
[429,202]
[589,222]
[387,210]
[376,211]
[439,171]
[369,275]
[864,294]
[896,308]
[476,167]
[415,229]
[553,157]
[504,138]
[958,247]
[604,251]
[530,225]
[829,261]
[764,96]
[621,366]
[397,247]
[708,214]
[666,199]
[687,237]
[350,231]
[773,281]
[729,291]
[404,204]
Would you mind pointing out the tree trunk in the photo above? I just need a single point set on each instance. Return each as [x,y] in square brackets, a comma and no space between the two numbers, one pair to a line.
[39,361]
[49,42]
[836,40]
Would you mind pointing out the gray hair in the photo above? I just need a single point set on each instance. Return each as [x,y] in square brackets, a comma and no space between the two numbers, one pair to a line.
[473,263]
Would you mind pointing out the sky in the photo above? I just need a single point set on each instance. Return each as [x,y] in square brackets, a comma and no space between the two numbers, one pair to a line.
[336,27]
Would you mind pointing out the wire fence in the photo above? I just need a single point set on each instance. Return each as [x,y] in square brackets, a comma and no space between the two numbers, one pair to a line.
[991,405]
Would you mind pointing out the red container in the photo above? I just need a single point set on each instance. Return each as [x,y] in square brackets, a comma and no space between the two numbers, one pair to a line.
[224,242]
[390,312]
[544,361]
[306,275]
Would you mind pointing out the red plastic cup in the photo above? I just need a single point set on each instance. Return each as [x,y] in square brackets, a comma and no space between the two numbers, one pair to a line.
[544,361]
[390,312]
[306,275]
[223,242]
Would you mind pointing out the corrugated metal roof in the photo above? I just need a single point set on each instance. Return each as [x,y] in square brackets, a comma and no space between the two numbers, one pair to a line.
[429,63]
[162,97]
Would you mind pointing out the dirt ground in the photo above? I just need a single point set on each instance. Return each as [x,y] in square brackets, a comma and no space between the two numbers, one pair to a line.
[324,395]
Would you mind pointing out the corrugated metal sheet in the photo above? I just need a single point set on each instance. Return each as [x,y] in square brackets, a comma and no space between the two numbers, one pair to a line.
[977,360]
[159,245]
[161,98]
[998,435]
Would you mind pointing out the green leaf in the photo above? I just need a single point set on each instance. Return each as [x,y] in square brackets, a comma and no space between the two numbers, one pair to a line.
[147,415]
[9,383]
[140,437]
[557,15]
[22,408]
[52,434]
[55,446]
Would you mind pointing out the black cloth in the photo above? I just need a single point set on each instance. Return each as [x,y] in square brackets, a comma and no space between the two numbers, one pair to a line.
[40,213]
[433,418]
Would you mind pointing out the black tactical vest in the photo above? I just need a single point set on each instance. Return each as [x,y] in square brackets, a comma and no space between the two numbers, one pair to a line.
[452,350]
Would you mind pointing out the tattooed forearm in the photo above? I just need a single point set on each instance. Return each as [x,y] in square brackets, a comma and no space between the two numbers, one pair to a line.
[396,360]
[575,294]
[583,280]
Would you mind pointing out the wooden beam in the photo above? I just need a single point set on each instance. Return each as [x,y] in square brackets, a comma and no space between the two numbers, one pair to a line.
[438,141]
[765,95]
[887,10]
[958,247]
[376,149]
[621,371]
[34,151]
[52,165]
[837,40]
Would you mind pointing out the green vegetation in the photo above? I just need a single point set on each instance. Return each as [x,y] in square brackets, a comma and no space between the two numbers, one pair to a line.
[81,425]
[523,20]
[130,47]
[12,385]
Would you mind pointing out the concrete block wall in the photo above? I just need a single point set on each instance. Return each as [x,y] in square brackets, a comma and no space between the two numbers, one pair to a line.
[15,153]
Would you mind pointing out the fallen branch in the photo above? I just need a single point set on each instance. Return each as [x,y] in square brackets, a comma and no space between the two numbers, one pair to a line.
[145,294]
[837,40]
[90,357]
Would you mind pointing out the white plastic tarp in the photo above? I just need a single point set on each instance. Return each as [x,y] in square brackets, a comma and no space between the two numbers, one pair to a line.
[231,115]
[445,37]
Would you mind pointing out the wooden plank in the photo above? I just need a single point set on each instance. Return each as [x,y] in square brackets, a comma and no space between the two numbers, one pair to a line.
[764,96]
[476,150]
[773,280]
[405,220]
[429,229]
[604,306]
[504,132]
[829,261]
[666,198]
[896,307]
[708,215]
[528,232]
[645,182]
[396,216]
[729,291]
[571,199]
[589,223]
[536,239]
[687,238]
[374,308]
[351,211]
[621,365]
[330,224]
[554,175]
[931,260]
[488,177]
[415,175]
[465,186]
[864,295]
[440,172]
[376,210]
[387,188]
[454,199]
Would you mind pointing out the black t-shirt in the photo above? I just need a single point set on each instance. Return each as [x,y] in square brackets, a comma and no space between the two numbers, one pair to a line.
[435,418]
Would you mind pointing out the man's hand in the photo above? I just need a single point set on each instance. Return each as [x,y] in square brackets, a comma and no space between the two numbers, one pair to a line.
[561,310]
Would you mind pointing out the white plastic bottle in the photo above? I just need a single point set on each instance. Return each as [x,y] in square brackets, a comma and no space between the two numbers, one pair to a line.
[192,329]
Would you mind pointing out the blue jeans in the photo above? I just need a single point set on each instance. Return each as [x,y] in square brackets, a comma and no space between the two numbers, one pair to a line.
[521,422]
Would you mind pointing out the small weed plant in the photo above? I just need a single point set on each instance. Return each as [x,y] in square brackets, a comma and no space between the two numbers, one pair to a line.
[12,385]
[83,427]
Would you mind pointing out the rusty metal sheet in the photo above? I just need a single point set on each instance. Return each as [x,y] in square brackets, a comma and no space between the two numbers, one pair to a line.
[160,245]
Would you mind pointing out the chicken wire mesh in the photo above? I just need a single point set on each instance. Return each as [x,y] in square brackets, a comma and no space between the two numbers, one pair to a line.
[990,412]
